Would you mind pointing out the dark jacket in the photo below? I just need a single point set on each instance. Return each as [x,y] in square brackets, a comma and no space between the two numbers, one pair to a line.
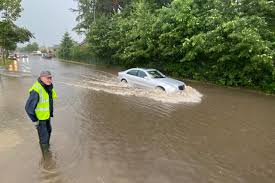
[34,99]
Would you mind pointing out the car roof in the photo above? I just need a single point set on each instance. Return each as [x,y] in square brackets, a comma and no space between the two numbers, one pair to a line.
[144,69]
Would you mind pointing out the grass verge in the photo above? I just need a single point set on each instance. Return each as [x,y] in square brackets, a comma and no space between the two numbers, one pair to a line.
[6,63]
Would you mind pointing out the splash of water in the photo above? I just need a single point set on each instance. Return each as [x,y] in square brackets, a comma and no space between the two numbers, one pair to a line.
[110,84]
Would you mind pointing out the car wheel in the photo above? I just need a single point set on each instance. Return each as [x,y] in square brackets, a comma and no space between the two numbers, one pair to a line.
[124,82]
[160,89]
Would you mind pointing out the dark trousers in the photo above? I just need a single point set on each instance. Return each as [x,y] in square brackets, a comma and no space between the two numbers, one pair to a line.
[44,131]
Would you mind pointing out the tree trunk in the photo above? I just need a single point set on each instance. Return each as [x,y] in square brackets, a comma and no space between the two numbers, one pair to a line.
[3,57]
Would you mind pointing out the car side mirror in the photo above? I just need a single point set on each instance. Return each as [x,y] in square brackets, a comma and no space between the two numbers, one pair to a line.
[146,77]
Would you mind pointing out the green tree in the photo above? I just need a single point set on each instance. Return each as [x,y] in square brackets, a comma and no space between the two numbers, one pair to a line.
[30,47]
[81,52]
[124,37]
[221,42]
[10,35]
[90,10]
[66,46]
[10,9]
[99,37]
[135,43]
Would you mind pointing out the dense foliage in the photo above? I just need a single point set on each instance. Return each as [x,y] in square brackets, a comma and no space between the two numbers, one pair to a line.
[30,47]
[65,48]
[89,11]
[10,9]
[227,42]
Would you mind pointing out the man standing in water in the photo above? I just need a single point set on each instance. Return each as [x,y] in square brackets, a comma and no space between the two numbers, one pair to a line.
[39,108]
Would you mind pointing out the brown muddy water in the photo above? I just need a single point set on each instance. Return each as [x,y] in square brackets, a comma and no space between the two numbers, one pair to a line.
[105,132]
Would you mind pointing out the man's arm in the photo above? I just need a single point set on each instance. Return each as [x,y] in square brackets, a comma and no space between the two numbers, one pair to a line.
[31,105]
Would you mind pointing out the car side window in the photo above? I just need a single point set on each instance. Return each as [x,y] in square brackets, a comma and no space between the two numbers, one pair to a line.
[141,74]
[132,72]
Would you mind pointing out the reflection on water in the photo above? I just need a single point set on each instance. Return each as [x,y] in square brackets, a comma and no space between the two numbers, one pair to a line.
[18,68]
[13,66]
[49,169]
[25,60]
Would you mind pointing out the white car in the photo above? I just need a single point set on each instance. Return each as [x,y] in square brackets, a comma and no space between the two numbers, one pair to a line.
[151,79]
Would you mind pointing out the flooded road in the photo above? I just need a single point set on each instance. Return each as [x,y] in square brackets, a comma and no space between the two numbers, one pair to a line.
[105,132]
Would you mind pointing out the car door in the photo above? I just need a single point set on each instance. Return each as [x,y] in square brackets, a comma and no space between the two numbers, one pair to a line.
[143,81]
[132,77]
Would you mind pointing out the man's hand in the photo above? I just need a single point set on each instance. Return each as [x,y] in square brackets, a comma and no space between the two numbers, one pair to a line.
[36,124]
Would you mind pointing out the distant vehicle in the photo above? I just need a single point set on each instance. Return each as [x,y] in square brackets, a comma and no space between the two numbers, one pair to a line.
[24,56]
[13,57]
[46,55]
[150,79]
[37,53]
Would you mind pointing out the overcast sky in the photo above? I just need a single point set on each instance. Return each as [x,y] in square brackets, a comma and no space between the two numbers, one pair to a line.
[48,20]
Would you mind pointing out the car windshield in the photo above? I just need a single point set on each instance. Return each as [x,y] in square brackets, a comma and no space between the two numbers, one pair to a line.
[156,74]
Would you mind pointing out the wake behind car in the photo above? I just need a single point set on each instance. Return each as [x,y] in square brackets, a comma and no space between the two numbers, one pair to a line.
[150,79]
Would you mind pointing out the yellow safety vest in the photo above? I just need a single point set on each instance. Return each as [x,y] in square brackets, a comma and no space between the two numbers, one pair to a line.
[42,110]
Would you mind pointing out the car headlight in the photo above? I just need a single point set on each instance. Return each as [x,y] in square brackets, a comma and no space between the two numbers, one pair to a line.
[170,88]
